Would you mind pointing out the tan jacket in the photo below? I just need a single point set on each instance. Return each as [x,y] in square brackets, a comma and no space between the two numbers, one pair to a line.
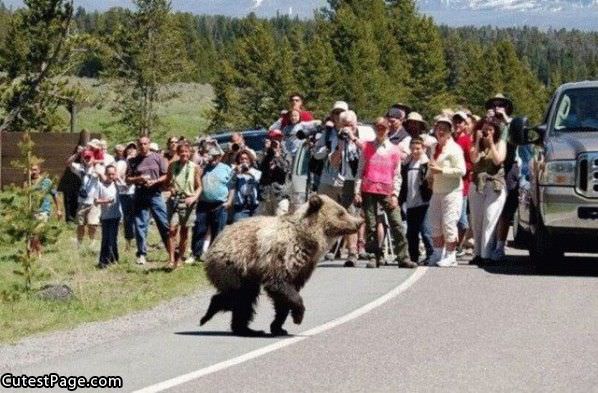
[452,162]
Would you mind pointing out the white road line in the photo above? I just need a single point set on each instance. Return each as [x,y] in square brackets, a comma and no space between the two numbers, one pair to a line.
[176,381]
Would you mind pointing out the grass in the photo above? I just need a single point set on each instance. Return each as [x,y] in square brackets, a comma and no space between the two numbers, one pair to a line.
[99,294]
[183,112]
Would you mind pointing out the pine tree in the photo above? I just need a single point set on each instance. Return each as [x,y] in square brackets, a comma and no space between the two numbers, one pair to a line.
[36,51]
[227,108]
[255,63]
[520,84]
[362,81]
[422,47]
[286,74]
[319,76]
[147,53]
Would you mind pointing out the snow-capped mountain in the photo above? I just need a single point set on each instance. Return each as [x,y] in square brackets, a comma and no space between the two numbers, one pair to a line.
[580,14]
[507,5]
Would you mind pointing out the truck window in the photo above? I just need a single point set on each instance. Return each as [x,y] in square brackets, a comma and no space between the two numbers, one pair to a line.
[577,111]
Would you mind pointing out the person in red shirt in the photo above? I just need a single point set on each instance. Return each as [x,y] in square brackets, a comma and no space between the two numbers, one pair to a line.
[464,139]
[295,104]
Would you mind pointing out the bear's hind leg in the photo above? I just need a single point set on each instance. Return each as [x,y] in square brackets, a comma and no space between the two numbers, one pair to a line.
[220,302]
[243,309]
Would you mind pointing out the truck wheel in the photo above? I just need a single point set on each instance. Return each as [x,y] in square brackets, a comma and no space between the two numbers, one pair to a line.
[544,253]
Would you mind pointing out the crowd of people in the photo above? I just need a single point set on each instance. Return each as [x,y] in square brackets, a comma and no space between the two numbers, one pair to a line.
[432,188]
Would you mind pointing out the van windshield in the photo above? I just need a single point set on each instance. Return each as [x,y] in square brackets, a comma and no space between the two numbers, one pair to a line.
[577,111]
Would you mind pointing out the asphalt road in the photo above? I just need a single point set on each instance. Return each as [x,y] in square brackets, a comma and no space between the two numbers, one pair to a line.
[466,329]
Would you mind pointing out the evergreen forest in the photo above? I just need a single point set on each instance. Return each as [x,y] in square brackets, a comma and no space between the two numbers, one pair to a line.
[370,53]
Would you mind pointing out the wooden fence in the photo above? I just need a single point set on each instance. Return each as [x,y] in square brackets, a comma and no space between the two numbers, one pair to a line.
[53,148]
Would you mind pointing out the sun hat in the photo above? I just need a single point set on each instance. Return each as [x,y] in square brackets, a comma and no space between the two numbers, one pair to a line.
[95,143]
[444,119]
[340,106]
[500,100]
[417,118]
[461,114]
[214,150]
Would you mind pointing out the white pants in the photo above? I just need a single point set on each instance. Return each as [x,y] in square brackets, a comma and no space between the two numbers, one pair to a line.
[485,207]
[444,213]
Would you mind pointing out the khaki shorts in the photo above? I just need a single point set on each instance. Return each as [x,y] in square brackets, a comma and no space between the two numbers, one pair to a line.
[342,195]
[88,214]
[444,213]
[181,215]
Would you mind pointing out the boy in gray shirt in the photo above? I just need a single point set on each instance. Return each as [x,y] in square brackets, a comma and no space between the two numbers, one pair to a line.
[108,199]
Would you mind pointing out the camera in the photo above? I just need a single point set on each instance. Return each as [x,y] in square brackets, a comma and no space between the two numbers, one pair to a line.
[83,193]
[305,134]
[343,134]
[235,147]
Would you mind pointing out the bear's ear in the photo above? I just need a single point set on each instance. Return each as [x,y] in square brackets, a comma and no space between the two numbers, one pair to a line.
[315,204]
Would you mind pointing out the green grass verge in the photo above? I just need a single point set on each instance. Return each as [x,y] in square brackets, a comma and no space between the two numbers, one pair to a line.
[184,111]
[100,294]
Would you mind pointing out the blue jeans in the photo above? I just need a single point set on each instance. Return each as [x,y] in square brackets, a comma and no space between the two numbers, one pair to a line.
[463,223]
[109,249]
[416,226]
[144,203]
[126,205]
[240,214]
[209,215]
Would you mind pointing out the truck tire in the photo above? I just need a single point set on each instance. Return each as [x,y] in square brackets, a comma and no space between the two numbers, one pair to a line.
[544,253]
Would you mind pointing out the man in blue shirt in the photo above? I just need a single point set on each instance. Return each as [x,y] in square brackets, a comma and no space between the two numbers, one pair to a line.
[214,202]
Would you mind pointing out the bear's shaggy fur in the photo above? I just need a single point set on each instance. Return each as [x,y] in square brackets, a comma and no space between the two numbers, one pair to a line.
[279,253]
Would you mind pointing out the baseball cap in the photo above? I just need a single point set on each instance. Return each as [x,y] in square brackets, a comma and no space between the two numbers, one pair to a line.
[396,113]
[275,134]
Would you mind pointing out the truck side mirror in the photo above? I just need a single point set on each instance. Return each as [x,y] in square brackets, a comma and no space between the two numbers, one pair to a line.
[522,134]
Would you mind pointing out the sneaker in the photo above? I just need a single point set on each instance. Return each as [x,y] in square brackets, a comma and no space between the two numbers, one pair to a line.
[190,260]
[351,260]
[460,252]
[363,255]
[408,263]
[436,256]
[141,260]
[498,255]
[450,260]
[477,260]
[372,264]
[102,266]
[329,256]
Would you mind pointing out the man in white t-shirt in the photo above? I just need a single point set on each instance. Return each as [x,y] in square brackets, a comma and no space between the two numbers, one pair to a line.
[90,173]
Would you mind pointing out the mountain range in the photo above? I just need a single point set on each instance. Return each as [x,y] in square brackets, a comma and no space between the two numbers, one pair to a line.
[580,14]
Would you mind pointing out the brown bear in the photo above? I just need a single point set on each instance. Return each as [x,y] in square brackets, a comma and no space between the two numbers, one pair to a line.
[279,253]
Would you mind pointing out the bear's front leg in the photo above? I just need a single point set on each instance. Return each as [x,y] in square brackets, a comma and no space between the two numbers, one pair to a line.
[286,298]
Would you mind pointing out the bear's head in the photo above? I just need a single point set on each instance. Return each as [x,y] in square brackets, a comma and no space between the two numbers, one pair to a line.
[331,217]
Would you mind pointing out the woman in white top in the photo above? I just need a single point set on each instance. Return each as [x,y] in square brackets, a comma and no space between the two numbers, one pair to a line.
[446,169]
